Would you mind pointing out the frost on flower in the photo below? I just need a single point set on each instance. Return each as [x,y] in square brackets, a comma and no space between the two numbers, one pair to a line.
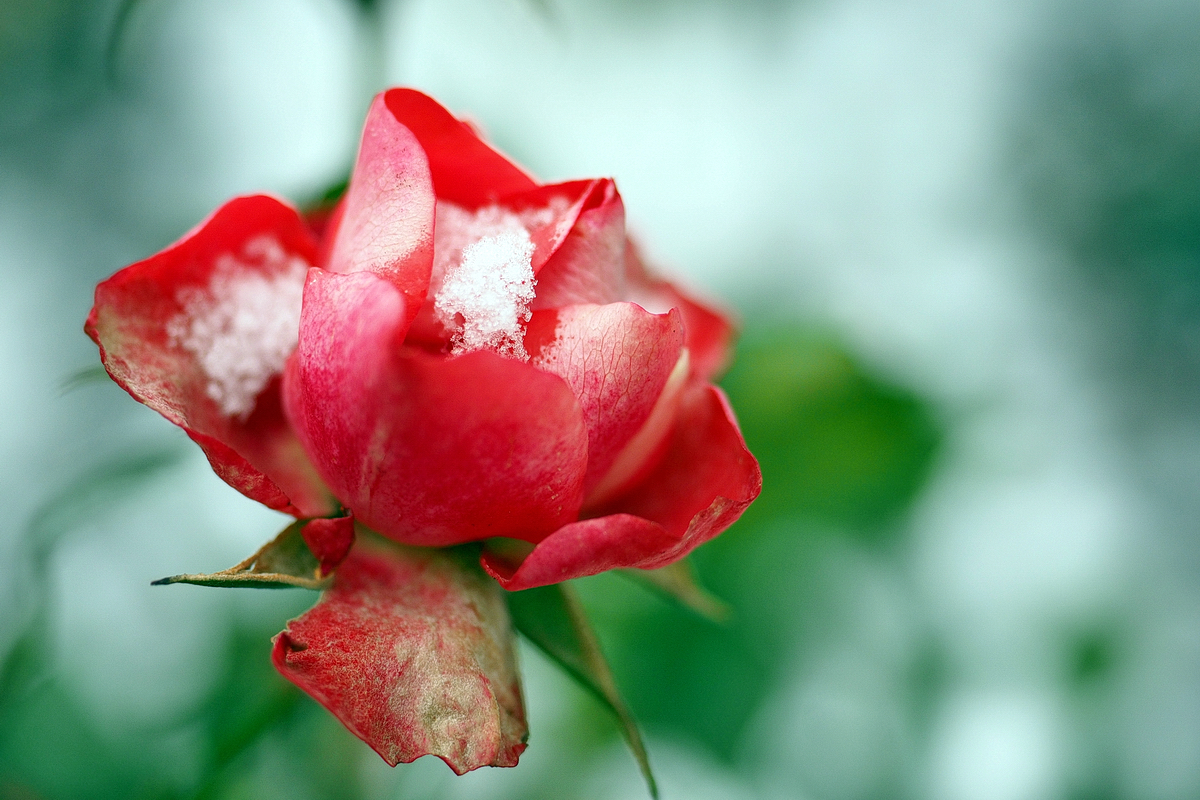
[242,327]
[482,280]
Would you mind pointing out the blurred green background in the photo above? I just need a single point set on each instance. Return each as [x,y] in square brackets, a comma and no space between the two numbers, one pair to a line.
[964,242]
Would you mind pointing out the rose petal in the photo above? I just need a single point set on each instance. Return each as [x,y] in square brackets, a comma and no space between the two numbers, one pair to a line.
[425,449]
[586,547]
[644,450]
[465,169]
[710,333]
[558,211]
[199,332]
[588,265]
[616,358]
[413,651]
[701,486]
[706,480]
[384,224]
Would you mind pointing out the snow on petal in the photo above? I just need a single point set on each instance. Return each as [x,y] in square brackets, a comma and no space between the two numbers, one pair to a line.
[482,280]
[242,327]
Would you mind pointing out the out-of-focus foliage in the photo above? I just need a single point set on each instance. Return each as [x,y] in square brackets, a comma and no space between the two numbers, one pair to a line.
[843,449]
[553,618]
[1110,165]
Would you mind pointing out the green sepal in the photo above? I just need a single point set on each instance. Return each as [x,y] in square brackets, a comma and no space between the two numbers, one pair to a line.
[282,562]
[679,582]
[553,619]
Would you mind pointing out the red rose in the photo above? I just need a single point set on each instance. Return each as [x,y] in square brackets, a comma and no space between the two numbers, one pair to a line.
[461,354]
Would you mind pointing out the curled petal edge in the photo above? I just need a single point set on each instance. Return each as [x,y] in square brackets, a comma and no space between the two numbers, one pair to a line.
[684,502]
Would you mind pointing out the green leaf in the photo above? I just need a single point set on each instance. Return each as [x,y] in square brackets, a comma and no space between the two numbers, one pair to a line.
[553,618]
[678,581]
[116,37]
[282,562]
[840,447]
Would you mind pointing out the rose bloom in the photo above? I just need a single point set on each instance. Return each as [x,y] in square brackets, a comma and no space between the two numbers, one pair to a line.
[457,353]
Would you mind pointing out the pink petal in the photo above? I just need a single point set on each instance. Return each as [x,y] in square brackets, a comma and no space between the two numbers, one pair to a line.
[588,265]
[413,651]
[198,333]
[710,333]
[563,208]
[616,358]
[427,449]
[385,221]
[330,540]
[466,170]
[703,484]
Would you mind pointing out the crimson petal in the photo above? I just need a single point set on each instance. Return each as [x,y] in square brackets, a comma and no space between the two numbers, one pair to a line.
[577,230]
[466,170]
[198,332]
[413,651]
[702,485]
[425,449]
[330,540]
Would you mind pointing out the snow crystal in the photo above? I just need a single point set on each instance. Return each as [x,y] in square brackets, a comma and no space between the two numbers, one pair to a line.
[485,298]
[482,280]
[242,327]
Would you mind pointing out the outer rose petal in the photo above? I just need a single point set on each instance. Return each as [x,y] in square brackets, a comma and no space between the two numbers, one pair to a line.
[701,486]
[413,651]
[588,266]
[709,332]
[145,315]
[385,222]
[466,170]
[616,358]
[425,449]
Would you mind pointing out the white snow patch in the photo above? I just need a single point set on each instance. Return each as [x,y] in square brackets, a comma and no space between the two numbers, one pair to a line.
[482,280]
[242,327]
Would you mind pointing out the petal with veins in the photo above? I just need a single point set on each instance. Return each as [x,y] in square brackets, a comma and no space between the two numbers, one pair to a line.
[617,359]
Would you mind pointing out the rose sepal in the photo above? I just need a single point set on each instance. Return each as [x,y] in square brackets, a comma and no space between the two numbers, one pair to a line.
[679,582]
[553,618]
[303,555]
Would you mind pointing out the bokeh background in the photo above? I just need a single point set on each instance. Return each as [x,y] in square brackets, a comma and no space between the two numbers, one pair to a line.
[964,242]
